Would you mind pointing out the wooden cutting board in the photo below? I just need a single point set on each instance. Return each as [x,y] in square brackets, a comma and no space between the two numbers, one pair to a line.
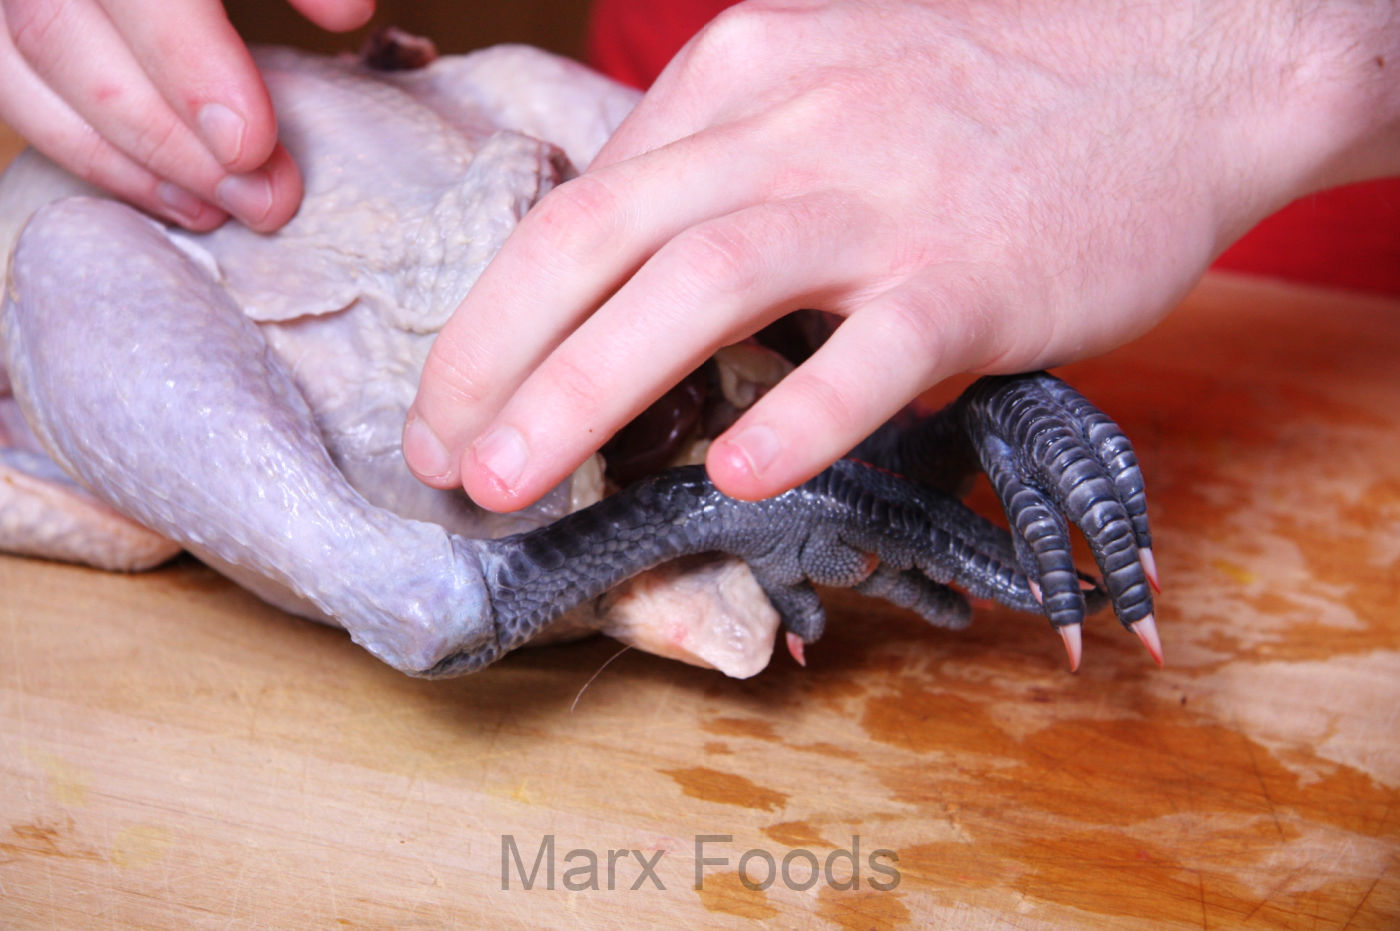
[175,754]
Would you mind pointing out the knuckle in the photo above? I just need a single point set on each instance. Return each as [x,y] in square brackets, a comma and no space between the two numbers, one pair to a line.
[960,326]
[457,373]
[831,409]
[577,383]
[735,36]
[821,108]
[716,258]
[981,332]
[577,219]
[89,156]
[916,327]
[154,144]
[998,345]
[34,26]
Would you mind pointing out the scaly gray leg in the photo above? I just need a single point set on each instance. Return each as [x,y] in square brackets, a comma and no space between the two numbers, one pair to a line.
[1053,459]
[851,526]
[1052,456]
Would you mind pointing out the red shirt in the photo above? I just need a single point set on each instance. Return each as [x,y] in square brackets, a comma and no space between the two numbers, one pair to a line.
[1348,237]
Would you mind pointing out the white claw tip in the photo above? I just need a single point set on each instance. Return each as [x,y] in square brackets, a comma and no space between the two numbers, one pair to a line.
[1146,629]
[1035,590]
[797,648]
[1072,635]
[1149,566]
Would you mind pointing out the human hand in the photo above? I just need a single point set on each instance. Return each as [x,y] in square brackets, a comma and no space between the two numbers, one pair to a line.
[986,188]
[157,102]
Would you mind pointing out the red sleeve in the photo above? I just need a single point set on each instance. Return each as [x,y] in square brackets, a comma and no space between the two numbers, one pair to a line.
[1347,238]
[632,40]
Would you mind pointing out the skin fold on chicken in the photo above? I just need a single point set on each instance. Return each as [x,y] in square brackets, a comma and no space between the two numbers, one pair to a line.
[241,396]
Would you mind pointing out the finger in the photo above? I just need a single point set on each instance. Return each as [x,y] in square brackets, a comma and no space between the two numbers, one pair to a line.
[571,251]
[55,129]
[267,198]
[95,73]
[336,15]
[885,354]
[683,97]
[203,71]
[710,286]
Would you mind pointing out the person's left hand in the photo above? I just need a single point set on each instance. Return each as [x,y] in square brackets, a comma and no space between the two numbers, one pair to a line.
[157,101]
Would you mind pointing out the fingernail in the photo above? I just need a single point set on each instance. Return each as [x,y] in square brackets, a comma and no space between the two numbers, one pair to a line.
[248,197]
[759,445]
[424,452]
[180,203]
[502,452]
[222,131]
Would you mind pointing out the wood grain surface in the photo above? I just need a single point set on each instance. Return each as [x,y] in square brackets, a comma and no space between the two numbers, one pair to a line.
[174,754]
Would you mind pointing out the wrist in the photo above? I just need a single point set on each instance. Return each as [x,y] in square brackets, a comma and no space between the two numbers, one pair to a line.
[1338,121]
[1356,80]
[1297,96]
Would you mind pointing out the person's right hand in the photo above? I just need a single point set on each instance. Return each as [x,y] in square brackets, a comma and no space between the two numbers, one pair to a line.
[991,187]
[156,101]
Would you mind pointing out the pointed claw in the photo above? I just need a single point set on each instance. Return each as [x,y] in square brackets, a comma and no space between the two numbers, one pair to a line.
[1072,634]
[1035,590]
[1149,566]
[1146,629]
[797,648]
